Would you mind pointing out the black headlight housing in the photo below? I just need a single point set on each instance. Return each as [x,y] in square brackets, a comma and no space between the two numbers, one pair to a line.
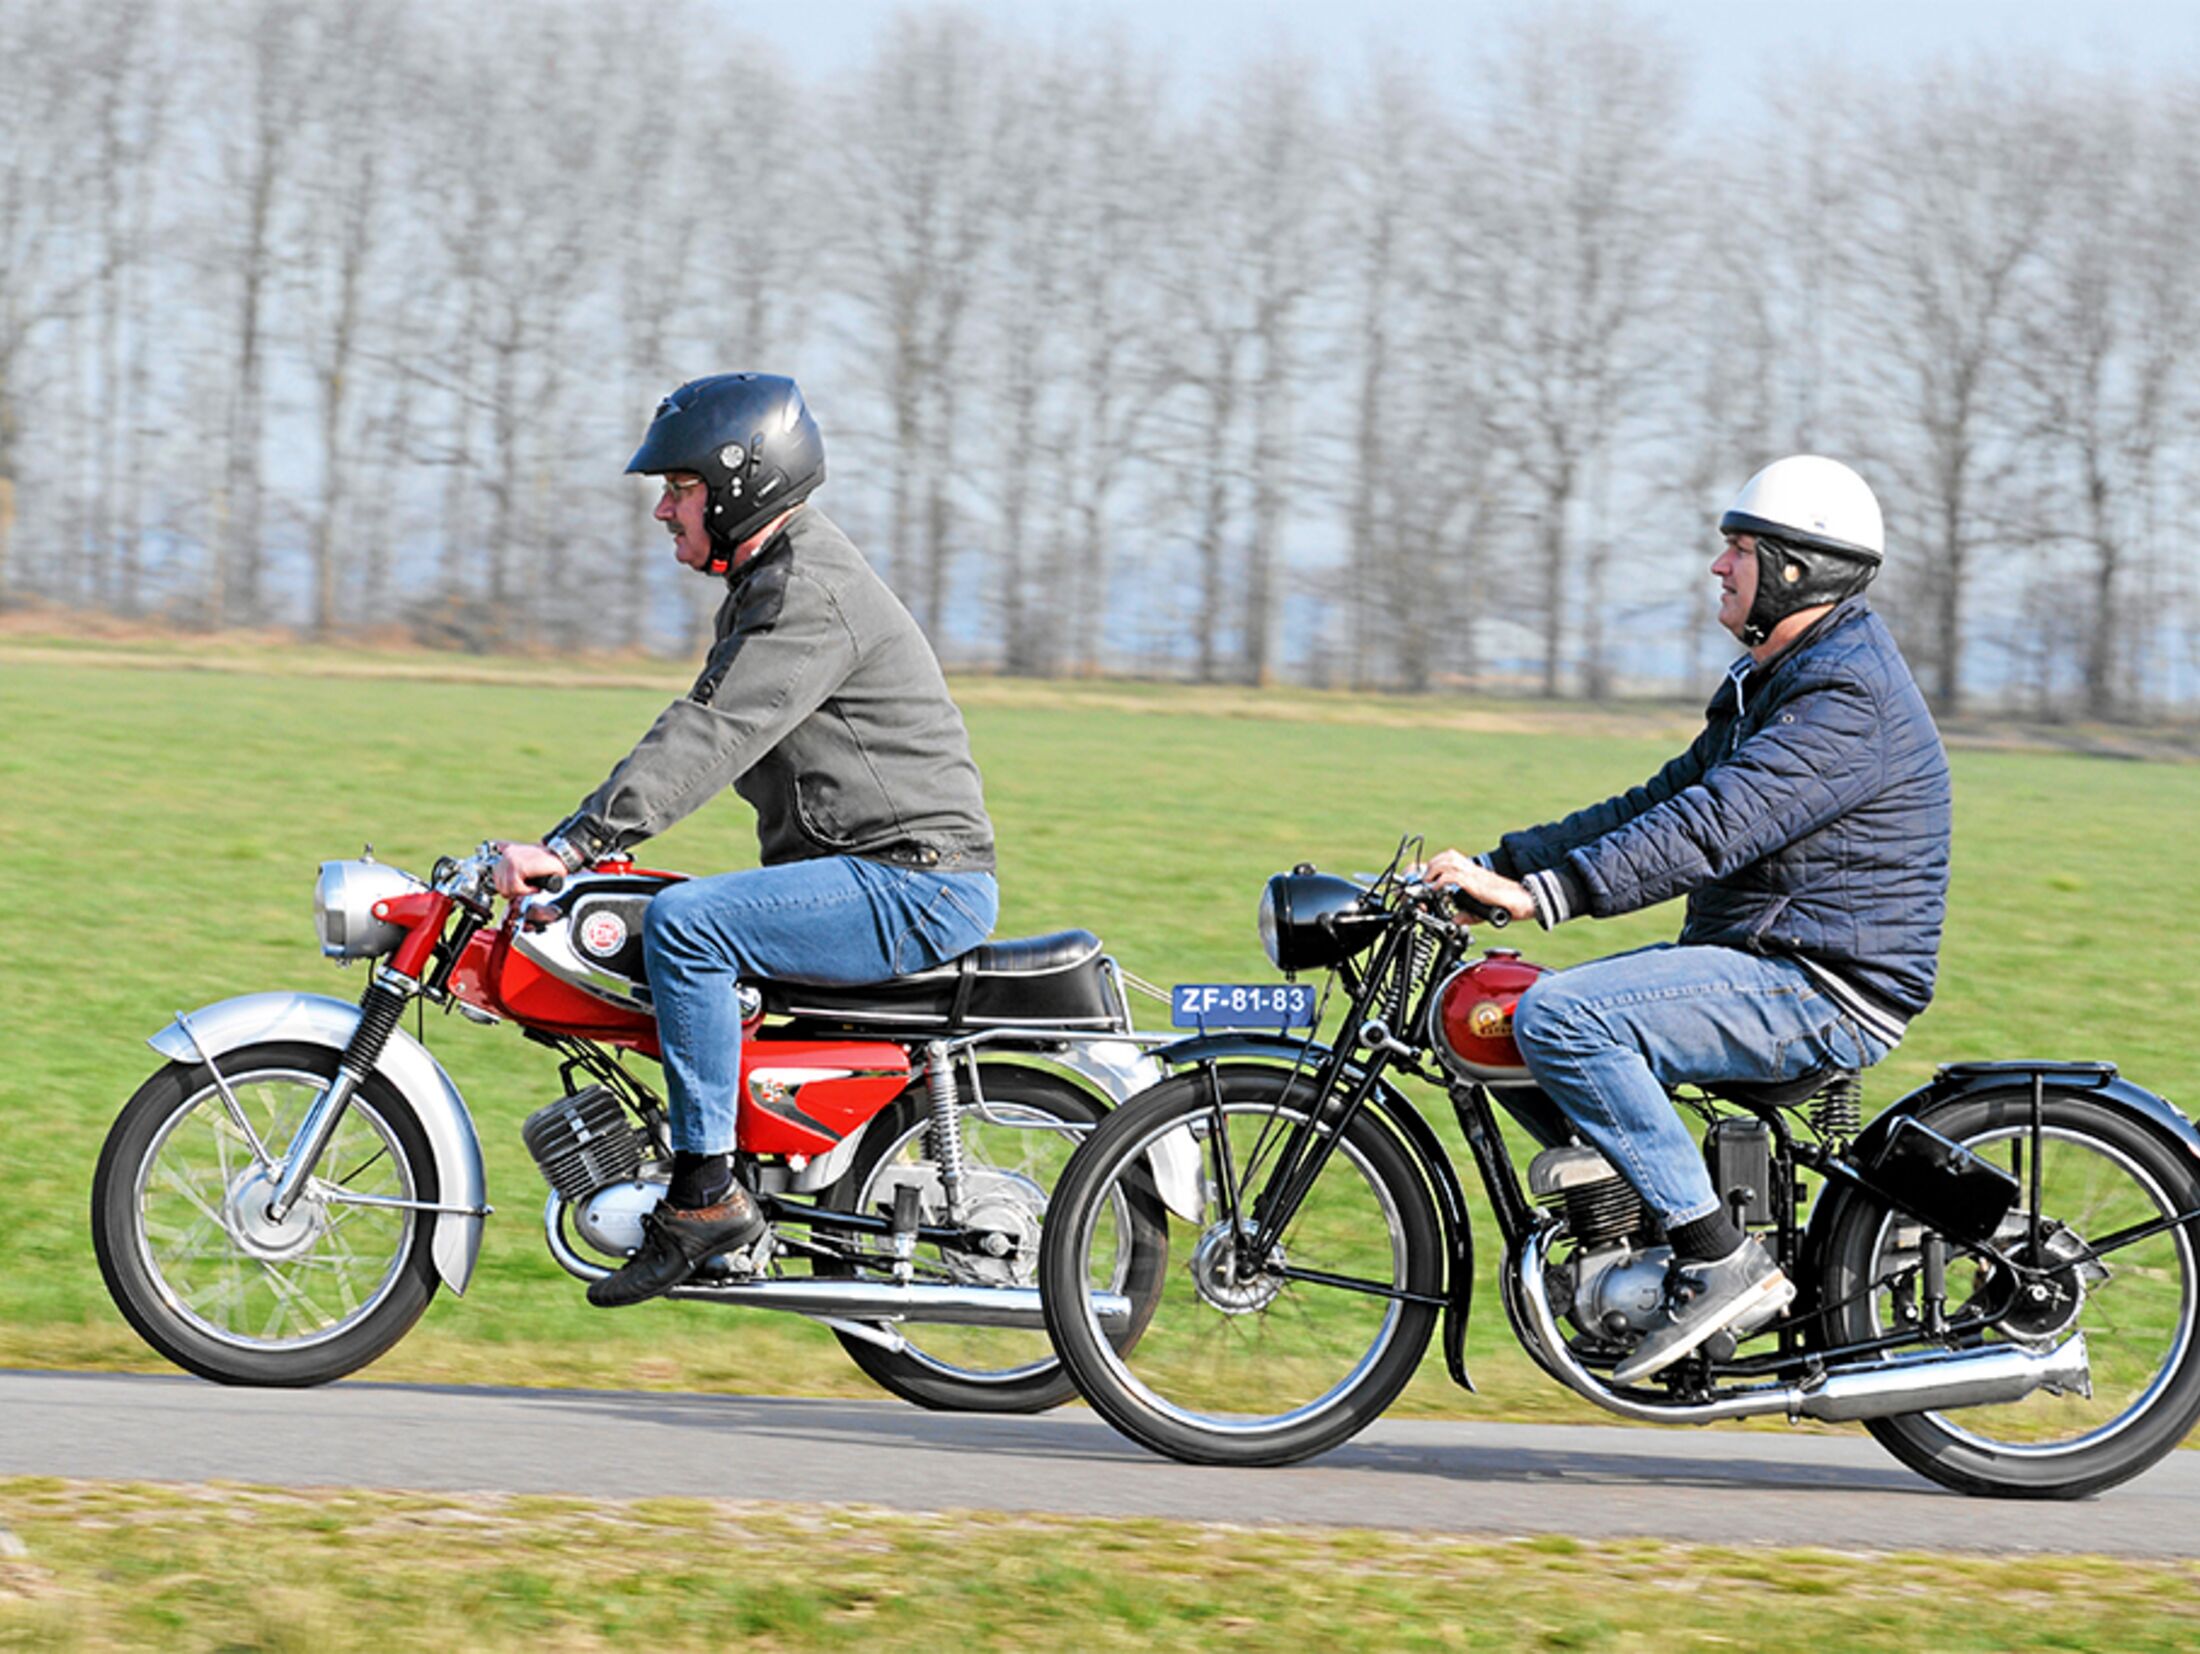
[1310,921]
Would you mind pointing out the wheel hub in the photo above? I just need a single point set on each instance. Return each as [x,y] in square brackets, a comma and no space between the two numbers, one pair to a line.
[1217,1271]
[2043,1307]
[244,1211]
[1009,1205]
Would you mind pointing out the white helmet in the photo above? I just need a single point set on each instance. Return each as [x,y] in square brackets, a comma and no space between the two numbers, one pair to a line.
[1819,537]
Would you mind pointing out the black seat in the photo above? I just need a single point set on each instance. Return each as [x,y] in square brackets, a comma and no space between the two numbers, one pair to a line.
[1064,950]
[1056,981]
[1777,1093]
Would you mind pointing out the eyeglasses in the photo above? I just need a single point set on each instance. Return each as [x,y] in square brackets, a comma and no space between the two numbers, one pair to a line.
[674,488]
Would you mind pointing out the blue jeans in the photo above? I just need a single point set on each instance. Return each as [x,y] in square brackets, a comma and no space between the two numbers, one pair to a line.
[1605,1040]
[838,919]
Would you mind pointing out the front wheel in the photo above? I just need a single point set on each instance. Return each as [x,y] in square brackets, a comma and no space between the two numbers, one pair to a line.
[179,1221]
[2104,1182]
[1247,1362]
[1015,1144]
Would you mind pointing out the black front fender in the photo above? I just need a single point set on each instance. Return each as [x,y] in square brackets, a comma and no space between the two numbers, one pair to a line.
[1407,1123]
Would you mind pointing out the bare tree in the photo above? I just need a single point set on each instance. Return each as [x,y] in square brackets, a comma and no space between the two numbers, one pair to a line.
[923,127]
[1239,253]
[1580,130]
[347,235]
[2106,335]
[47,156]
[1968,168]
[256,147]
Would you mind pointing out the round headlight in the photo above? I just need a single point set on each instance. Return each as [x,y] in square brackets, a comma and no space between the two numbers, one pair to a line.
[343,907]
[1268,921]
[1310,921]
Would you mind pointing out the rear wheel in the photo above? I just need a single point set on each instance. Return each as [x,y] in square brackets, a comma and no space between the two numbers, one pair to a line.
[2102,1178]
[180,1225]
[1013,1152]
[1244,1364]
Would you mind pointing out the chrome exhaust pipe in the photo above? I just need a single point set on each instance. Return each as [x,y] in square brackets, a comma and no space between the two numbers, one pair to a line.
[1911,1384]
[851,1300]
[958,1306]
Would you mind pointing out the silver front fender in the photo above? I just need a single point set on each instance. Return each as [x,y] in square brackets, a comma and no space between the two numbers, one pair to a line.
[316,1019]
[1122,1069]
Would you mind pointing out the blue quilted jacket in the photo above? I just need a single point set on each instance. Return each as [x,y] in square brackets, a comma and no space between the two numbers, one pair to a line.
[1810,819]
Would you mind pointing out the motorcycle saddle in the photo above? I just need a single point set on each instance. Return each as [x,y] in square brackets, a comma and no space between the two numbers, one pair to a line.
[1056,981]
[1762,1094]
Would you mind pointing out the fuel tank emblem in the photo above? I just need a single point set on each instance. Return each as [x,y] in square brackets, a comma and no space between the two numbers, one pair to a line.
[603,934]
[1489,1020]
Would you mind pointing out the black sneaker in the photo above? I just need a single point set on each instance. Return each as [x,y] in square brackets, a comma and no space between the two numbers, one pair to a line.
[674,1245]
[1739,1292]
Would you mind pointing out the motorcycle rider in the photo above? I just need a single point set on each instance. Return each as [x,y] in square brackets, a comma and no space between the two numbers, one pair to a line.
[822,705]
[1808,827]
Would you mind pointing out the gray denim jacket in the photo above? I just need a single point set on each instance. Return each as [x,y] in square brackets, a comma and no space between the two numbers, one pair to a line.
[822,705]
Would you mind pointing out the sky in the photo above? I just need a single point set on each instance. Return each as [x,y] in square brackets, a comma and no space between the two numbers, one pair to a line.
[1731,43]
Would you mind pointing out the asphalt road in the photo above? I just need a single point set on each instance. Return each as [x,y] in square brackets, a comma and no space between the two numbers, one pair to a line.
[1730,1487]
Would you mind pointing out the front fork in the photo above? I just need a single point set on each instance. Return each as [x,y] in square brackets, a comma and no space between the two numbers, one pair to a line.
[379,1010]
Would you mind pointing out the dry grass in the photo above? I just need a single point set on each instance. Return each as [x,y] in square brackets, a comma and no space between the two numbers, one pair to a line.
[139,1566]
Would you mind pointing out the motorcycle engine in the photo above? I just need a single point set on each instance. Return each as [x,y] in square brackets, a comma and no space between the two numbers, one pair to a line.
[1612,1283]
[590,1152]
[1616,1293]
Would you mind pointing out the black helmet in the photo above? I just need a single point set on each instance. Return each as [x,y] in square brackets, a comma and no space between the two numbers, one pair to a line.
[751,439]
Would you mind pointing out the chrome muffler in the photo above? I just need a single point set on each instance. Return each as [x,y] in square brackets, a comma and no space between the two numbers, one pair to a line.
[1954,1378]
[1909,1384]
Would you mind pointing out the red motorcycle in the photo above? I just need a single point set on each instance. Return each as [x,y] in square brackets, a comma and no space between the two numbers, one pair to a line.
[278,1203]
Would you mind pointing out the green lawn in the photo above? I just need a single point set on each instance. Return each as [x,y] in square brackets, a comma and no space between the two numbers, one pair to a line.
[164,826]
[132,1566]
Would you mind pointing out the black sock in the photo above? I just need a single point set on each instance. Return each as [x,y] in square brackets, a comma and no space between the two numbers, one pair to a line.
[699,1180]
[1706,1239]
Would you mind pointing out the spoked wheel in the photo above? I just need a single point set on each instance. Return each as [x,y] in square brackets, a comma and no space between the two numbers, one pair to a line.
[1014,1150]
[179,1221]
[1244,1362]
[2103,1180]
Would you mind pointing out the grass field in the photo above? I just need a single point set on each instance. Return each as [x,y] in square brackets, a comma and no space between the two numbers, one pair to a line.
[128,1566]
[164,825]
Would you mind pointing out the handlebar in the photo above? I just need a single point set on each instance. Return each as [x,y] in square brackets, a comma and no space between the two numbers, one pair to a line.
[1455,903]
[471,879]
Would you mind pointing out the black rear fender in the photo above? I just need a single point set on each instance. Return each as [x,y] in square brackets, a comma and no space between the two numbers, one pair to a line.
[1962,1081]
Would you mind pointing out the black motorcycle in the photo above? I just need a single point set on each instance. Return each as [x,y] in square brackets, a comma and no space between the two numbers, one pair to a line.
[1997,1274]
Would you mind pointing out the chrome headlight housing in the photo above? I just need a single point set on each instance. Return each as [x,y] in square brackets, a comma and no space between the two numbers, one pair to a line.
[343,907]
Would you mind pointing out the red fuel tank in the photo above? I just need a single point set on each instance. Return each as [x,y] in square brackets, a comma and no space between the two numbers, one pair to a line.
[1474,1017]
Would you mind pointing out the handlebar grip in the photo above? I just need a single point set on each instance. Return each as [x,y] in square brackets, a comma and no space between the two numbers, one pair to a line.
[1468,908]
[548,883]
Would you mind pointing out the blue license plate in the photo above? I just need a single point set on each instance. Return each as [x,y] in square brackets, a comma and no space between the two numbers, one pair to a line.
[1242,1005]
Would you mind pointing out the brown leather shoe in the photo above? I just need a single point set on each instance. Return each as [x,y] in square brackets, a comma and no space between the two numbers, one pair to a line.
[674,1245]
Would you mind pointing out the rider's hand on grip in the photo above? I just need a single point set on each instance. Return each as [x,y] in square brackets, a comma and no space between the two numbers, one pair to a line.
[1464,906]
[522,868]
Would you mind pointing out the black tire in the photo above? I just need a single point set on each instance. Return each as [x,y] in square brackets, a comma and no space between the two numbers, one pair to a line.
[2102,1173]
[320,1297]
[1011,1172]
[1233,1371]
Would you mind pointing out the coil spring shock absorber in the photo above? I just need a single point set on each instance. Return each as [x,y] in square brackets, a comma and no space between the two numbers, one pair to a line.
[1421,950]
[1837,1112]
[946,1127]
